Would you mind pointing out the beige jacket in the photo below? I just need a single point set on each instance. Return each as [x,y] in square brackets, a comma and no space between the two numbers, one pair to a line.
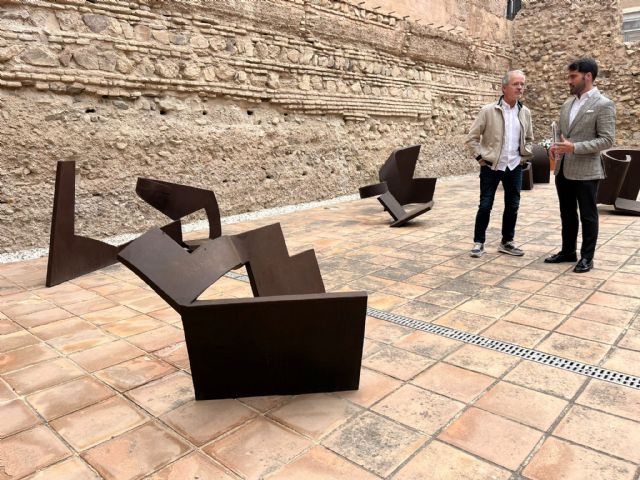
[487,133]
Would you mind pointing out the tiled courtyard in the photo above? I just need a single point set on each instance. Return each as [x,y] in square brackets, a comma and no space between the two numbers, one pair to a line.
[95,377]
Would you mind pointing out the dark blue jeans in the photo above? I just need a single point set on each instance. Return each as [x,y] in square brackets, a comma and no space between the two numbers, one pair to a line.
[512,184]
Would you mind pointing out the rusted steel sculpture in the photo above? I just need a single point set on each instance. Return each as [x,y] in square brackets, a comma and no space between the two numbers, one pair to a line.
[540,165]
[291,338]
[177,201]
[621,186]
[398,188]
[72,255]
[527,176]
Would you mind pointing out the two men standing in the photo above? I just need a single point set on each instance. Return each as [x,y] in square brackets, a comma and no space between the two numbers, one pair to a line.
[501,138]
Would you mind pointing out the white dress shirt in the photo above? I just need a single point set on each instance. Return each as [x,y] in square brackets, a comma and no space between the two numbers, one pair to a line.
[578,102]
[510,155]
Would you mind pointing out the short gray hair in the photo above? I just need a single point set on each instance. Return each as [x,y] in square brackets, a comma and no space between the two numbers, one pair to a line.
[507,76]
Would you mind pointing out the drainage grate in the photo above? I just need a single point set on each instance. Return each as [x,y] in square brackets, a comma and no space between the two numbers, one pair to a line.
[237,276]
[510,349]
[497,345]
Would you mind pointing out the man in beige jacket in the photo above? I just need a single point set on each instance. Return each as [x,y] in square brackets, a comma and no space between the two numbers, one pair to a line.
[501,140]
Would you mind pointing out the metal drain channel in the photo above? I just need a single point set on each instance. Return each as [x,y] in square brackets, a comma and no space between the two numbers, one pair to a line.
[497,345]
[510,349]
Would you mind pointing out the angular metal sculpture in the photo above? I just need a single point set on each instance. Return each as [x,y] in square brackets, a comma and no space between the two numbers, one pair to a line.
[177,201]
[621,186]
[398,188]
[72,255]
[540,165]
[291,338]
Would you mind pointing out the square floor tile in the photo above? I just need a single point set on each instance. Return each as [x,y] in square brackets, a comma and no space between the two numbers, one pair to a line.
[510,442]
[397,363]
[454,382]
[601,431]
[135,372]
[574,348]
[482,360]
[439,461]
[69,397]
[373,386]
[560,459]
[202,421]
[16,416]
[192,467]
[314,415]
[523,405]
[42,375]
[374,442]
[321,464]
[97,423]
[28,451]
[546,379]
[136,453]
[257,449]
[72,469]
[160,396]
[418,408]
[106,355]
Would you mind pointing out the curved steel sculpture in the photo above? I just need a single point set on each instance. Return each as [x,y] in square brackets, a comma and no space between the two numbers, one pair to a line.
[398,188]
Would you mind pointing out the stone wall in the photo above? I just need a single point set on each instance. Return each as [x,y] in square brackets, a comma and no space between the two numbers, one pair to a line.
[483,19]
[544,48]
[267,102]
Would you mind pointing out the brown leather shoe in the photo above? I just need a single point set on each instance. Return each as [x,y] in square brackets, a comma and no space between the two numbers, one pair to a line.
[561,257]
[583,266]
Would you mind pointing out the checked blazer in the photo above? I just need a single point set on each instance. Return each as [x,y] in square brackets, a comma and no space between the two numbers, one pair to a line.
[592,130]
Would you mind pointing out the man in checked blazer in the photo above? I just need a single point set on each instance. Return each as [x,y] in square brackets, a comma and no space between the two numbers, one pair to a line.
[587,126]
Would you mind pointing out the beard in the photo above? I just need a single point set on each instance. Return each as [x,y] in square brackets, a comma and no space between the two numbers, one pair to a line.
[577,88]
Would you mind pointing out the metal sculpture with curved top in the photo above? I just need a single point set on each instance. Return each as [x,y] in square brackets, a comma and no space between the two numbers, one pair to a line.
[621,186]
[398,188]
[177,201]
[291,338]
[540,167]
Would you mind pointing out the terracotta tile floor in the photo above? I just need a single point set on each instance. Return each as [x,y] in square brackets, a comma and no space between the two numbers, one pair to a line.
[95,379]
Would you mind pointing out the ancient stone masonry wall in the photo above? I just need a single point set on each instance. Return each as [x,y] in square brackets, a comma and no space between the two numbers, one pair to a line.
[267,102]
[548,34]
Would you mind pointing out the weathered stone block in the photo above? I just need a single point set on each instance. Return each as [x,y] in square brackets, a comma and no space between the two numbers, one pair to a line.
[8,53]
[40,56]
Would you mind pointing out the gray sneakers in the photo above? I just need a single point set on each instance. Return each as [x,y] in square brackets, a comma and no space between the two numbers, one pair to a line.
[477,251]
[510,249]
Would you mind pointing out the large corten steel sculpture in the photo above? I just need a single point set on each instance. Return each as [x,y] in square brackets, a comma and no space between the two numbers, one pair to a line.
[291,338]
[621,186]
[72,255]
[398,188]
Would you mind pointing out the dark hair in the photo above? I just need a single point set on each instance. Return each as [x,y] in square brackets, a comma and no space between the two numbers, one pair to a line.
[585,65]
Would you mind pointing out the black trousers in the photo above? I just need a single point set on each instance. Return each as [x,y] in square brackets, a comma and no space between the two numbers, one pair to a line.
[574,195]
